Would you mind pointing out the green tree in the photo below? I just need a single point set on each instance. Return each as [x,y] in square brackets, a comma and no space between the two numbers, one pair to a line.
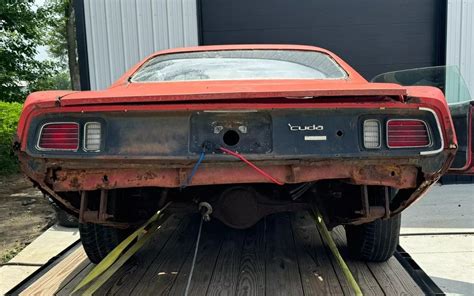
[61,37]
[21,32]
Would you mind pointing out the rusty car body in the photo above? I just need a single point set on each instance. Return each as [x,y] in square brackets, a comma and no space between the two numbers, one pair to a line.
[326,136]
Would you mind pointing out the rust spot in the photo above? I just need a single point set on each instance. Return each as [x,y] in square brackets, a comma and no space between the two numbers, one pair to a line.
[74,183]
[149,175]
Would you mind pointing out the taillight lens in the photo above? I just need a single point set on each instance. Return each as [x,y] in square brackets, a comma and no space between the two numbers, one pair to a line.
[407,133]
[59,136]
[372,133]
[92,136]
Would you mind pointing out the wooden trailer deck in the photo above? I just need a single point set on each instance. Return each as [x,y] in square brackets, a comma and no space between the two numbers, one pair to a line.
[282,255]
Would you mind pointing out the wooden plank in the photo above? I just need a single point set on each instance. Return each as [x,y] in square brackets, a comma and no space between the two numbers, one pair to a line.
[62,273]
[162,273]
[209,247]
[132,273]
[251,281]
[125,279]
[226,270]
[359,269]
[85,265]
[71,285]
[394,279]
[282,275]
[282,255]
[317,273]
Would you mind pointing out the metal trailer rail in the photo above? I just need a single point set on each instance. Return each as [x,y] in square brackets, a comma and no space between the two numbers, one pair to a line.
[284,254]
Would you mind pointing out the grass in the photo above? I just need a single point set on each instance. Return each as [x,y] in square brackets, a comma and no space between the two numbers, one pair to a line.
[10,253]
[9,115]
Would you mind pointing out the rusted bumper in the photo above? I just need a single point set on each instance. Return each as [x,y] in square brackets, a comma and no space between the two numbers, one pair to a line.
[388,175]
[92,175]
[56,177]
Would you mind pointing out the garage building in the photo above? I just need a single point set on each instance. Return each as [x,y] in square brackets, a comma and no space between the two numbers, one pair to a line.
[373,36]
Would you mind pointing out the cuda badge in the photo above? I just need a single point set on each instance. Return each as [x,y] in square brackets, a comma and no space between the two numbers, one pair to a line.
[313,127]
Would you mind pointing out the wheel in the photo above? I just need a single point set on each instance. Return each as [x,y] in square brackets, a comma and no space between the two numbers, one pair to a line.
[99,240]
[65,219]
[375,241]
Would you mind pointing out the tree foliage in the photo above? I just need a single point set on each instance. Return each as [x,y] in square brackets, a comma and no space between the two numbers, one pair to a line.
[61,37]
[56,36]
[9,114]
[21,33]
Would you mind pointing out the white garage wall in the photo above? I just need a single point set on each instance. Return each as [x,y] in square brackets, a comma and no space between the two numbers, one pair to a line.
[460,39]
[122,32]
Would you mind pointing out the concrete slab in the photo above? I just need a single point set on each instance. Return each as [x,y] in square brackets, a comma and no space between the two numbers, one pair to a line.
[438,231]
[47,245]
[445,209]
[447,259]
[12,275]
[52,242]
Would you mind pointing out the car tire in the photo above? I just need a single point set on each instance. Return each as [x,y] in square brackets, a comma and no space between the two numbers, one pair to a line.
[65,219]
[375,241]
[99,240]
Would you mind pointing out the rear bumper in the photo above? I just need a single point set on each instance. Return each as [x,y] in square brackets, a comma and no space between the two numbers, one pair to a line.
[69,175]
[358,173]
[413,176]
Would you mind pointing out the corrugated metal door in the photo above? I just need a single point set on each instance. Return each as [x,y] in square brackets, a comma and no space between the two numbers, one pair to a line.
[373,36]
[459,52]
[121,33]
[460,39]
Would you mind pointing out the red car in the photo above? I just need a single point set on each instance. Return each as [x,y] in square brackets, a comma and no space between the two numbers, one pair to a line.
[460,101]
[248,130]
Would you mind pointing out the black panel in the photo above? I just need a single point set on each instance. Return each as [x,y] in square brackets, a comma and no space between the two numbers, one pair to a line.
[165,134]
[373,36]
[270,134]
[249,132]
[461,120]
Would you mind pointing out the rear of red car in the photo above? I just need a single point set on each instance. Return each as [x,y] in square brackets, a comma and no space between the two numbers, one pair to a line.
[272,128]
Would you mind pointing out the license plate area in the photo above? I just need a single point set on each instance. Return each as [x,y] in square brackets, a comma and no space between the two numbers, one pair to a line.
[245,132]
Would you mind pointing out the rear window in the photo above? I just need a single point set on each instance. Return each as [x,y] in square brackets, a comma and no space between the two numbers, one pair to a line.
[240,65]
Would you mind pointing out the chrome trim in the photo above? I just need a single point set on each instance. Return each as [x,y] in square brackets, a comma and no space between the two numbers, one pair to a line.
[439,130]
[51,149]
[380,134]
[85,134]
[315,138]
[409,119]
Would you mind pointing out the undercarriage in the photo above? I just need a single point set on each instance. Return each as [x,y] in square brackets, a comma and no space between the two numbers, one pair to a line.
[239,206]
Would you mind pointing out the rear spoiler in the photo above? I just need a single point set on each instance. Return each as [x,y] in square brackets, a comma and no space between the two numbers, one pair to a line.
[179,92]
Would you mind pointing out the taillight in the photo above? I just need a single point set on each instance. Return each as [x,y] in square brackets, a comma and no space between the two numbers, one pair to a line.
[372,133]
[407,133]
[59,136]
[92,136]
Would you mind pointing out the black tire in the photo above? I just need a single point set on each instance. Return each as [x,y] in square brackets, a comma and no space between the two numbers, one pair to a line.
[99,240]
[65,219]
[375,241]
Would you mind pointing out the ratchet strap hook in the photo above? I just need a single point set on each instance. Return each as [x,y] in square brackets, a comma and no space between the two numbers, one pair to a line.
[206,210]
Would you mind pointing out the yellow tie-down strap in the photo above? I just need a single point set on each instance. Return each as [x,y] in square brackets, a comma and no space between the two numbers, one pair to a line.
[118,256]
[332,246]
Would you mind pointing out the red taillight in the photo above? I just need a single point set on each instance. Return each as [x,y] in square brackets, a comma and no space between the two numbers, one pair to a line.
[59,136]
[407,133]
